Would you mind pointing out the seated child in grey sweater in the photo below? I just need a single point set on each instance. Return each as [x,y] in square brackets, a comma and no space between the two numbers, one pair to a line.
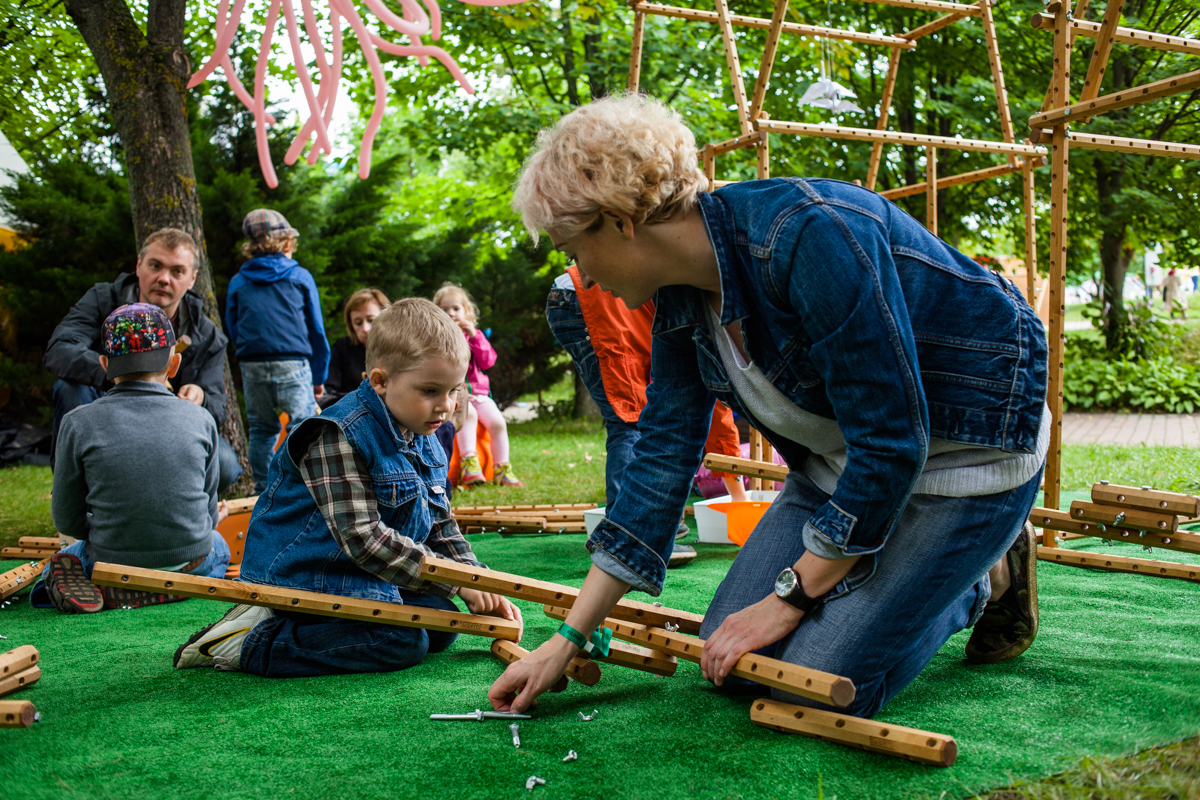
[135,476]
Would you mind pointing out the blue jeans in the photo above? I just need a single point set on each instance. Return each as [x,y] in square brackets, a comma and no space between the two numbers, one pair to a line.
[271,387]
[566,323]
[68,395]
[928,582]
[290,645]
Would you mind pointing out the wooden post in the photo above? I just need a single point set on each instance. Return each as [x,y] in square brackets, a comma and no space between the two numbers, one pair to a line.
[16,713]
[885,105]
[931,204]
[993,51]
[1030,199]
[18,660]
[735,67]
[281,599]
[635,52]
[936,749]
[768,59]
[763,153]
[756,449]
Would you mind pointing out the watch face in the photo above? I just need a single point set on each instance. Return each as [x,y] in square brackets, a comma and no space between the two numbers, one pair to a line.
[785,583]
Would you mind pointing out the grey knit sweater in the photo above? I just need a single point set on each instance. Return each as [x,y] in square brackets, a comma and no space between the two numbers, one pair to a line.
[136,476]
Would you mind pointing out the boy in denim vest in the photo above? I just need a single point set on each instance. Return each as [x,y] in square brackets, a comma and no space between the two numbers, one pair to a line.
[354,499]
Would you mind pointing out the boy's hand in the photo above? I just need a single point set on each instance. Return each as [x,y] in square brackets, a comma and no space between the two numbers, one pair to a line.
[192,393]
[222,511]
[493,605]
[319,391]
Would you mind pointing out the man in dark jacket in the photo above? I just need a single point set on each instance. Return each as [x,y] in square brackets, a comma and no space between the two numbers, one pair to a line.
[165,273]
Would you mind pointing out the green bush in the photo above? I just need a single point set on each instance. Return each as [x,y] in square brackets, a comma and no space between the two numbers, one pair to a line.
[1159,384]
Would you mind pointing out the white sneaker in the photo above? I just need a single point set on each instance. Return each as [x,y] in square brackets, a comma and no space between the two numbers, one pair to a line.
[220,644]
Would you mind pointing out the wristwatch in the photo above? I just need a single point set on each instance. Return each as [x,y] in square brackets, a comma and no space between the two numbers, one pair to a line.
[789,590]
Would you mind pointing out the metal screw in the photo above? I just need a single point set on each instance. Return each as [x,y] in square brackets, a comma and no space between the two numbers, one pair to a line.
[1119,518]
[533,781]
[1141,534]
[1104,483]
[1101,526]
[516,736]
[670,627]
[570,756]
[1147,488]
[1059,539]
[588,717]
[658,604]
[37,716]
[1124,534]
[1148,548]
[1167,540]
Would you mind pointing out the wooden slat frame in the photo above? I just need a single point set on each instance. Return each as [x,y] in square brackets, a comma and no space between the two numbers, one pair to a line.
[954,180]
[626,655]
[931,187]
[931,5]
[635,52]
[745,466]
[1134,566]
[1181,541]
[1145,147]
[1061,115]
[885,108]
[895,137]
[1154,501]
[280,599]
[768,58]
[18,579]
[735,67]
[1102,51]
[1133,36]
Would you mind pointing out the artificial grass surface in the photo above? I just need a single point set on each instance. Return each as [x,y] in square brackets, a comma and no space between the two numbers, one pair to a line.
[1115,669]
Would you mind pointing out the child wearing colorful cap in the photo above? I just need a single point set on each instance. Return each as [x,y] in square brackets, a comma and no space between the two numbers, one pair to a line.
[273,314]
[135,480]
[355,500]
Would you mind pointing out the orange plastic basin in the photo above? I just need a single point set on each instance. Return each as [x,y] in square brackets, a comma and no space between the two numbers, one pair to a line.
[741,518]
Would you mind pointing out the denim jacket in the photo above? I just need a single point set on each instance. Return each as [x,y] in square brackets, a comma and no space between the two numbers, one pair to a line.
[855,312]
[289,544]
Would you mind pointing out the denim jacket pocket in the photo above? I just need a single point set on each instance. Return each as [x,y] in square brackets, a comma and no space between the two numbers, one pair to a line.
[394,491]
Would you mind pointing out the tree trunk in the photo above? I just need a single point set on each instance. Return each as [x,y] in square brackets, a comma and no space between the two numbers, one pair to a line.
[1114,260]
[145,79]
[584,405]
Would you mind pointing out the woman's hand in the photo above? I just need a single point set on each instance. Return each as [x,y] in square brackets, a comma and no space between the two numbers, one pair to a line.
[754,627]
[518,688]
[493,605]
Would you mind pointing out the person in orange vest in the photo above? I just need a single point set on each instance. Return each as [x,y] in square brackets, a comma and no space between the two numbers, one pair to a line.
[610,347]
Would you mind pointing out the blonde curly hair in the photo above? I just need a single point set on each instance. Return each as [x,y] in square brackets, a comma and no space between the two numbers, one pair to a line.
[628,153]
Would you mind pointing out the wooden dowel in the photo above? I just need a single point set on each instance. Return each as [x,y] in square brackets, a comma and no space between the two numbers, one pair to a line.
[696,15]
[931,203]
[522,509]
[280,599]
[756,457]
[1181,541]
[443,570]
[936,25]
[1103,49]
[16,713]
[935,749]
[1029,199]
[551,517]
[993,51]
[554,528]
[1155,41]
[21,680]
[18,579]
[244,505]
[736,143]
[1146,147]
[635,52]
[745,466]
[1154,501]
[1134,566]
[895,137]
[1132,518]
[512,523]
[708,156]
[931,5]
[768,59]
[40,542]
[953,180]
[1117,100]
[27,552]
[581,669]
[881,123]
[626,655]
[18,660]
[735,67]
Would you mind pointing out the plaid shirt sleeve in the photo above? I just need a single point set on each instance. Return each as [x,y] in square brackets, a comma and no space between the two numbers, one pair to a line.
[340,483]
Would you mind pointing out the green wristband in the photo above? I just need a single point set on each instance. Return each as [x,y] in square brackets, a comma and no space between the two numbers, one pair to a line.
[599,640]
[573,636]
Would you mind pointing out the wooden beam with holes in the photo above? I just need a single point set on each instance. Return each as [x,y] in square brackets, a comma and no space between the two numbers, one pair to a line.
[40,542]
[1155,41]
[939,23]
[16,713]
[243,505]
[624,654]
[745,466]
[1152,500]
[993,51]
[514,523]
[581,669]
[736,84]
[1144,147]
[508,652]
[635,53]
[741,21]
[19,681]
[736,143]
[549,516]
[931,5]
[767,63]
[1100,54]
[931,187]
[935,749]
[1133,566]
[881,122]
[1124,517]
[443,570]
[897,137]
[1181,541]
[18,660]
[955,180]
[21,578]
[1117,100]
[282,599]
[549,507]
[27,552]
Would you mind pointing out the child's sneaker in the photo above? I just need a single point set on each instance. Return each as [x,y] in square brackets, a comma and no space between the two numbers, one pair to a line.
[472,473]
[69,587]
[220,644]
[120,597]
[503,475]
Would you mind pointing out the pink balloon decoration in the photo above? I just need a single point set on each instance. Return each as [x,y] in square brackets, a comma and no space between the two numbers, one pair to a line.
[414,23]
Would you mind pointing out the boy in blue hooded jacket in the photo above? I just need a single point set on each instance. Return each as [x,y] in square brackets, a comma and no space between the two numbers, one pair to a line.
[273,314]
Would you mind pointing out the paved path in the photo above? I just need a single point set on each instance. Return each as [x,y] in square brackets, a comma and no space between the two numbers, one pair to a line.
[1174,430]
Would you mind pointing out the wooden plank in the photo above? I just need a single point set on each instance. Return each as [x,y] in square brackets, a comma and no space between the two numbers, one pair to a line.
[709,159]
[1056,285]
[953,180]
[767,63]
[40,542]
[1058,93]
[936,25]
[1156,41]
[1134,566]
[242,506]
[1136,95]
[21,578]
[1102,50]
[931,5]
[735,66]
[742,21]
[443,570]
[16,713]
[18,660]
[736,143]
[993,51]
[931,187]
[505,509]
[19,681]
[506,522]
[550,529]
[1181,541]
[627,655]
[1146,147]
[756,455]
[763,159]
[508,652]
[27,552]
[745,466]
[936,749]
[581,669]
[881,123]
[1132,518]
[281,599]
[896,137]
[1029,199]
[1152,500]
[635,52]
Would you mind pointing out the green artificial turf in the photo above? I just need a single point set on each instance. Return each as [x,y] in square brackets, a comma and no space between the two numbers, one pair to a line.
[1115,669]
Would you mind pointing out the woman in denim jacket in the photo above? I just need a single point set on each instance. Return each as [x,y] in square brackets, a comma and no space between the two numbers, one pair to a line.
[903,383]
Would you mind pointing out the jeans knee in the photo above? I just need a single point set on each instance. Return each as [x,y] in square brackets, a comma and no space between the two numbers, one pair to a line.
[440,640]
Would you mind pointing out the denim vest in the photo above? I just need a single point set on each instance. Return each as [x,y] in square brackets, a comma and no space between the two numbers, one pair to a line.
[855,312]
[289,544]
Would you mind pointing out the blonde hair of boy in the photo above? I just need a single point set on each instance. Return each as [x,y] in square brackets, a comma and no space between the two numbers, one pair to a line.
[275,243]
[451,290]
[627,153]
[359,299]
[410,331]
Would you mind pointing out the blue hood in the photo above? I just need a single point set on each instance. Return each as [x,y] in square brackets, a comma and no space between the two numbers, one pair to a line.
[268,268]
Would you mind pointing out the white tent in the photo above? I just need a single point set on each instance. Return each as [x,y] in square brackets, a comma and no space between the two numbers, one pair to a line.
[10,159]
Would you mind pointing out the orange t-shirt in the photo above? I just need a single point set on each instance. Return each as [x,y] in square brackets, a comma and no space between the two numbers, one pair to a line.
[621,339]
